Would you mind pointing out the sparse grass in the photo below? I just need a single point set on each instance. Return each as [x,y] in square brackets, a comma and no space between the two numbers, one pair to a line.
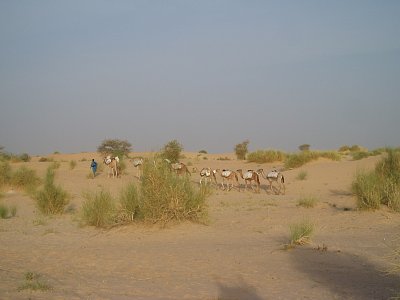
[302,175]
[380,186]
[307,202]
[3,211]
[52,199]
[25,178]
[72,164]
[55,165]
[223,158]
[98,209]
[300,233]
[129,204]
[33,282]
[266,156]
[5,173]
[299,159]
[7,211]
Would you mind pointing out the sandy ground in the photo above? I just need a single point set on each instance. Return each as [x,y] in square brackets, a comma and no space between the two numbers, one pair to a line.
[238,255]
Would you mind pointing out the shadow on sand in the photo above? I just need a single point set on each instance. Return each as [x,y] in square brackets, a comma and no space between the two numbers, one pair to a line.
[239,291]
[347,276]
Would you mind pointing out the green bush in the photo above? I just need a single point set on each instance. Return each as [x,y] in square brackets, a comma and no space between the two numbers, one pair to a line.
[172,151]
[72,164]
[129,204]
[300,233]
[3,211]
[52,199]
[25,178]
[380,186]
[5,173]
[265,156]
[98,209]
[167,197]
[7,211]
[298,159]
[241,150]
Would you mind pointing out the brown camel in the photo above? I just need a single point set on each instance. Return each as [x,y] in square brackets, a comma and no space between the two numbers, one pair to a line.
[274,176]
[180,168]
[249,176]
[230,177]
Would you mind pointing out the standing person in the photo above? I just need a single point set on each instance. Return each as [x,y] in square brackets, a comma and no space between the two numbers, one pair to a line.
[93,166]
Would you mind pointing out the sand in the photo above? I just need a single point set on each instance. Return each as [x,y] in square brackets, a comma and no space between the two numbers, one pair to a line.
[239,254]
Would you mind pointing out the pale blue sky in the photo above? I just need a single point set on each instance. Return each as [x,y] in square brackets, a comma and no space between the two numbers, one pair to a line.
[207,73]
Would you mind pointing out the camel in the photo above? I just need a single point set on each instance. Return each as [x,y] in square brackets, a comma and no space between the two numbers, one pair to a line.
[272,176]
[207,173]
[249,177]
[180,168]
[138,163]
[230,177]
[112,163]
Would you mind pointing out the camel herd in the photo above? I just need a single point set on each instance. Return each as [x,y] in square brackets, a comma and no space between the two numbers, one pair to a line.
[230,178]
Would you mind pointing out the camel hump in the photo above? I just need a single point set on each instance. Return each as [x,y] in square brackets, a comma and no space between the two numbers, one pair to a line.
[248,175]
[226,173]
[273,174]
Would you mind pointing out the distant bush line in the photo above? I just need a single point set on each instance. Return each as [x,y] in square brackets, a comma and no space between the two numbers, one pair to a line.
[295,160]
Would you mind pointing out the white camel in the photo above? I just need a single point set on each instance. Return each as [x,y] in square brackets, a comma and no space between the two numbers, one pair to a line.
[274,176]
[208,174]
[112,163]
[138,163]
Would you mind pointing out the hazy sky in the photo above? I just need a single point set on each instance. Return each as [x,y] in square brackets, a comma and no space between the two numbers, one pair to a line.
[207,73]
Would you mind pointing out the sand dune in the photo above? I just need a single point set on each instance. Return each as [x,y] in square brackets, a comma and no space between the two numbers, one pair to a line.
[238,255]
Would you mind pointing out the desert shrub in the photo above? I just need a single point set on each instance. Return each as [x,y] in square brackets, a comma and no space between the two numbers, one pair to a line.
[25,178]
[3,211]
[72,164]
[55,165]
[302,175]
[307,202]
[167,197]
[300,233]
[51,199]
[265,156]
[25,157]
[366,188]
[98,209]
[172,151]
[129,204]
[359,155]
[121,167]
[304,147]
[380,186]
[5,173]
[344,148]
[114,147]
[7,211]
[34,282]
[203,151]
[296,160]
[241,150]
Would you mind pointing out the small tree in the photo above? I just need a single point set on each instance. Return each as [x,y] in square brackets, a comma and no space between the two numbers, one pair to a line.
[172,151]
[304,147]
[241,150]
[114,147]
